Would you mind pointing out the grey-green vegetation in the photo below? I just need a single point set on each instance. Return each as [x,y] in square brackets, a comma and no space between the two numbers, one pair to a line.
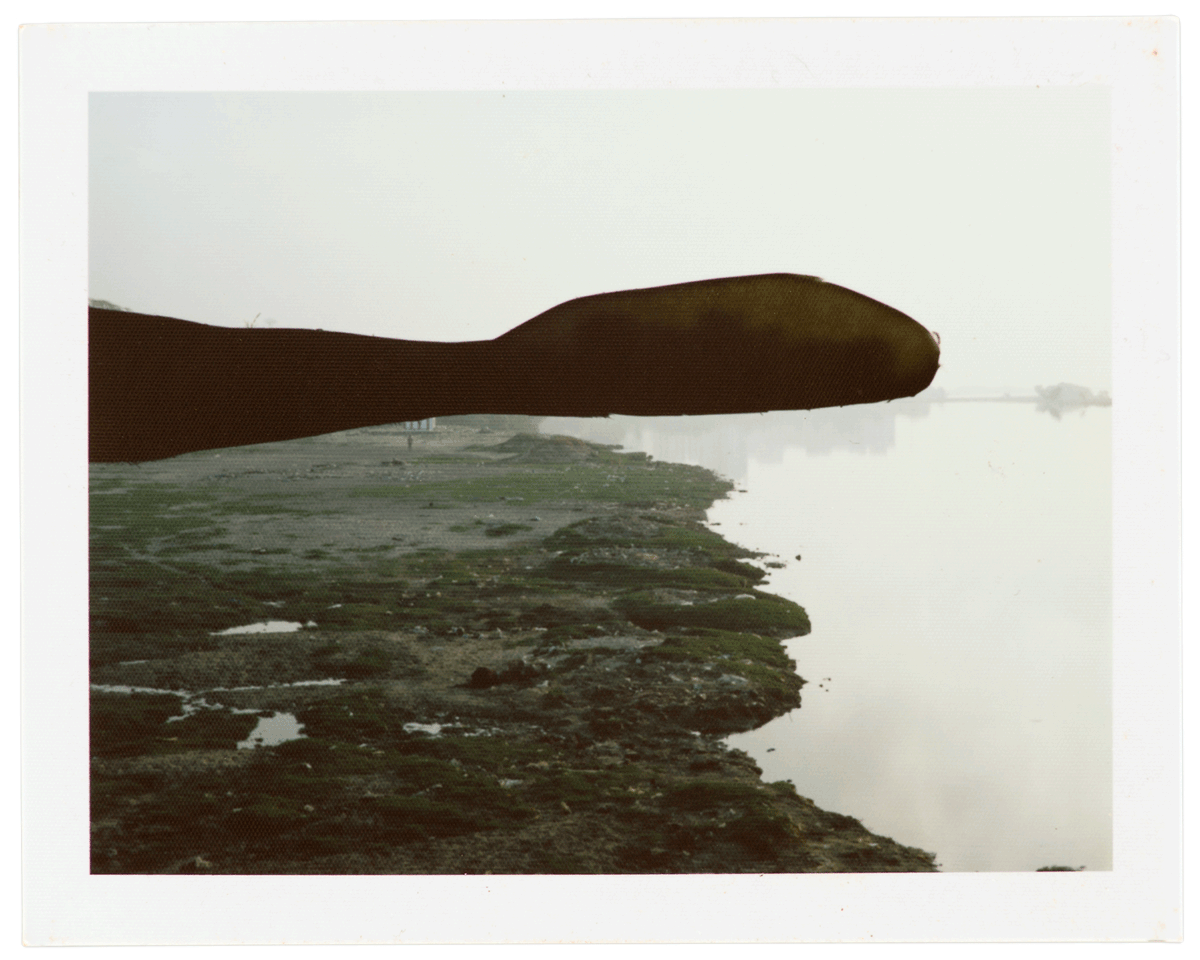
[523,671]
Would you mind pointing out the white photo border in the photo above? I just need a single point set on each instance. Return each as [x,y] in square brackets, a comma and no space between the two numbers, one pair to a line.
[1138,900]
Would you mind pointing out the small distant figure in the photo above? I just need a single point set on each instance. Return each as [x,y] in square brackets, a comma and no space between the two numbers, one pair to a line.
[410,441]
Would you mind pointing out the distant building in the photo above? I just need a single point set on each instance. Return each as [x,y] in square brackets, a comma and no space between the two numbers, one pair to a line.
[422,425]
[1064,397]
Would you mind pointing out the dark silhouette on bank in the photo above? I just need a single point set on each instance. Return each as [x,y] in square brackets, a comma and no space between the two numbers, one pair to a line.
[159,387]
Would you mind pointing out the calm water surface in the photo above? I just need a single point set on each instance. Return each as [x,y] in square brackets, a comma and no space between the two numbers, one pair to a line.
[956,565]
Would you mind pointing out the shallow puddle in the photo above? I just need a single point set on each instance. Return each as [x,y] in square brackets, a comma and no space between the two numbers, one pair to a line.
[328,682]
[433,729]
[192,701]
[270,626]
[121,688]
[275,729]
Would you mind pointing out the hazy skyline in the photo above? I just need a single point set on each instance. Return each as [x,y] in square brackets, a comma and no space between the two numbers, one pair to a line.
[984,214]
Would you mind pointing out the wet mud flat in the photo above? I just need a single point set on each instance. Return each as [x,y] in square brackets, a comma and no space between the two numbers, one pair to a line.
[489,653]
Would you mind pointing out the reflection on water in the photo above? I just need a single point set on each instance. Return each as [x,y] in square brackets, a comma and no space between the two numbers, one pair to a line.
[957,571]
[727,444]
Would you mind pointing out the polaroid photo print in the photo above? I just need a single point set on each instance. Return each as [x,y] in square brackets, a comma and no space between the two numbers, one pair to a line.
[721,470]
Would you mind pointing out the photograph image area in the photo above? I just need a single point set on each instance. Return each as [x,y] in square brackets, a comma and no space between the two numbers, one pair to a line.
[600,482]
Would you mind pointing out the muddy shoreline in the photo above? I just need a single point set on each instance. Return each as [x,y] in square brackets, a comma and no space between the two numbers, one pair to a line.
[538,644]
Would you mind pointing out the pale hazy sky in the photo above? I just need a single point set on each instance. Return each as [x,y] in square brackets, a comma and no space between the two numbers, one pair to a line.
[982,213]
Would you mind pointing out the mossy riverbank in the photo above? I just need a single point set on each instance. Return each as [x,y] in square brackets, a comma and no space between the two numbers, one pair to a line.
[537,648]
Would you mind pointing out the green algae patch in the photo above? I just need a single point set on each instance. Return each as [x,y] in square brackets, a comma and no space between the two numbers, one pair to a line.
[584,789]
[704,645]
[409,819]
[334,659]
[312,791]
[648,552]
[116,639]
[755,824]
[677,483]
[693,815]
[266,816]
[172,519]
[702,795]
[461,565]
[182,605]
[761,661]
[492,754]
[763,833]
[127,724]
[754,612]
[630,576]
[551,448]
[645,531]
[137,724]
[207,730]
[584,739]
[147,511]
[506,529]
[358,714]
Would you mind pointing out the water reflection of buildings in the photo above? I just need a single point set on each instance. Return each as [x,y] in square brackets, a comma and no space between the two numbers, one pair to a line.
[728,442]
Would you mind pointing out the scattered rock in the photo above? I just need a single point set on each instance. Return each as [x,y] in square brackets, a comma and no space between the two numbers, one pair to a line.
[515,672]
[482,678]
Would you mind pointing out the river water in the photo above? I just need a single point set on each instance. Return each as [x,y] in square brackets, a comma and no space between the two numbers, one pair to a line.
[956,566]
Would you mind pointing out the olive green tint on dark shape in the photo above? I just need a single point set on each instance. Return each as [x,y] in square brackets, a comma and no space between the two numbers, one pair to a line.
[159,387]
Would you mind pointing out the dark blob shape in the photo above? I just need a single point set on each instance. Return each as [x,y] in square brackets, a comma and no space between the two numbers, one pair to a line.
[159,387]
[515,671]
[482,678]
